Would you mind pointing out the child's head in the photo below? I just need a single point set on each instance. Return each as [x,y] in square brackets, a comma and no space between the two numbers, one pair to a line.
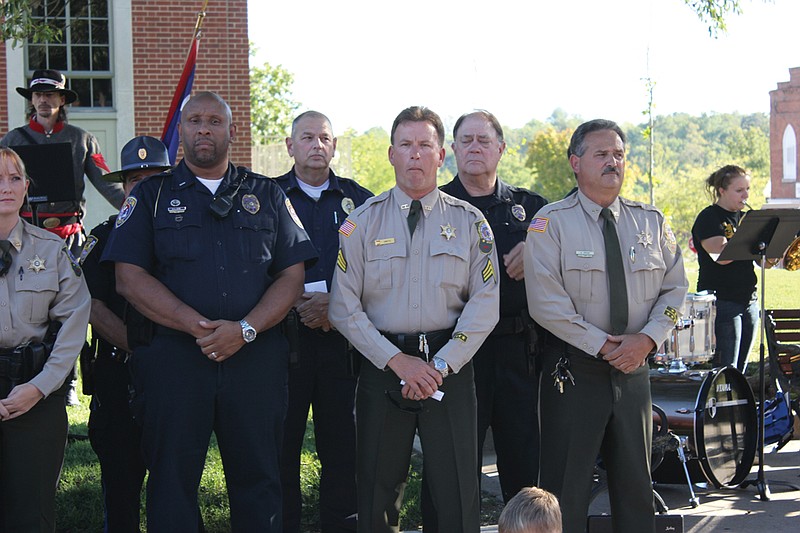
[532,510]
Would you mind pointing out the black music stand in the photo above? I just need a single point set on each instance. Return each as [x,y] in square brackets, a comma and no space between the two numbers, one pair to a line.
[762,234]
[50,168]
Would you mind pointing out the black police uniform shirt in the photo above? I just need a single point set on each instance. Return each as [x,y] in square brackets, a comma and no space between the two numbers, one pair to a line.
[734,282]
[100,276]
[322,218]
[509,212]
[220,267]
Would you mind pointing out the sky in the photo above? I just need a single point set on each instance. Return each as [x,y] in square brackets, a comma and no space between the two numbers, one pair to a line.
[362,61]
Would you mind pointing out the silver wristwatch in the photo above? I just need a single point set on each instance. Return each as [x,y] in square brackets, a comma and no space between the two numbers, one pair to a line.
[248,332]
[441,366]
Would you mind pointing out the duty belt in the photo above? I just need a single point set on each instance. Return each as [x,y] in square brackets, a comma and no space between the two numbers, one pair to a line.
[107,350]
[554,344]
[423,344]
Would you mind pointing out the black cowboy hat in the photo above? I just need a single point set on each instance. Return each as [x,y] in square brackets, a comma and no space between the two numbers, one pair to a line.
[45,81]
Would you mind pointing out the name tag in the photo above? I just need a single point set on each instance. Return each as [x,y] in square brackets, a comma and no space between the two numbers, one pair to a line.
[584,253]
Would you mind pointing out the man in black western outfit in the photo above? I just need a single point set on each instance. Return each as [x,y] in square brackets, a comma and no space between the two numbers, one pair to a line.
[115,437]
[321,372]
[415,290]
[214,255]
[605,278]
[505,376]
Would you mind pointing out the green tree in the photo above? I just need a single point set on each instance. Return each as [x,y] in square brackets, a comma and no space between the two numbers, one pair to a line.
[22,20]
[547,158]
[271,106]
[371,166]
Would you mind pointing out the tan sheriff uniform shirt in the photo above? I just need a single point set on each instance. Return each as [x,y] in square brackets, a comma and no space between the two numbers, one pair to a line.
[43,284]
[565,271]
[444,277]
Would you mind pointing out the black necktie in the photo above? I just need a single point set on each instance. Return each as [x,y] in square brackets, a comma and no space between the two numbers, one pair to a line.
[413,216]
[5,258]
[616,275]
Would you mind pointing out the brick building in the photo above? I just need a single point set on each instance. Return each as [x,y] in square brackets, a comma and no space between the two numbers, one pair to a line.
[124,59]
[784,131]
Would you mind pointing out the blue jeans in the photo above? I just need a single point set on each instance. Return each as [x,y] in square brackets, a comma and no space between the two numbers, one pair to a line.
[735,328]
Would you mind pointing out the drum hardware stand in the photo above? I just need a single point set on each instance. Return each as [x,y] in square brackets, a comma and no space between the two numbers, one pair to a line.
[681,449]
[761,234]
[676,366]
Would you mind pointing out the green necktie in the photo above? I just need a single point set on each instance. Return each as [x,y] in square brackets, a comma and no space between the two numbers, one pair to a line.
[413,215]
[616,275]
[5,257]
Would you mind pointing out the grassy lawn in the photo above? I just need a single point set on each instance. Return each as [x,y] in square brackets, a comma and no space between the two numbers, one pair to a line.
[79,502]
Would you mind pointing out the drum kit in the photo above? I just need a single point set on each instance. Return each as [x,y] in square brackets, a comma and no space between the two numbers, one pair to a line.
[711,415]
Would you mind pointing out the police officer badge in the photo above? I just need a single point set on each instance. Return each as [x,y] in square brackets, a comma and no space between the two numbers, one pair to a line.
[519,212]
[251,204]
[348,205]
[142,154]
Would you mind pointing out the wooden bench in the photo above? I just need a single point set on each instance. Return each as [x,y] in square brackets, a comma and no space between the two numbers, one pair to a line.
[783,342]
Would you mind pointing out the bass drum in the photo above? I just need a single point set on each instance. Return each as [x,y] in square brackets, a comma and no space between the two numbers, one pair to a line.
[716,411]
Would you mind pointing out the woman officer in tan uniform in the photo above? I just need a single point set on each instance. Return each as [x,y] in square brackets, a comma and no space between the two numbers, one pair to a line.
[40,285]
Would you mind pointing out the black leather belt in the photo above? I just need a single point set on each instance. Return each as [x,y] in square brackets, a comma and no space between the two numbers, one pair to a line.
[413,343]
[554,344]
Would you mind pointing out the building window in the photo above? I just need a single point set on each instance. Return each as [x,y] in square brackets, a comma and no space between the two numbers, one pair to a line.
[83,55]
[789,154]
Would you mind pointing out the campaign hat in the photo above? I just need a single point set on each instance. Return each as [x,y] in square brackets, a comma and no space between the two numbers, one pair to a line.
[140,153]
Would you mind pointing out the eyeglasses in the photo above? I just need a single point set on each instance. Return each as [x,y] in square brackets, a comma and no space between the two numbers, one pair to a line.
[408,406]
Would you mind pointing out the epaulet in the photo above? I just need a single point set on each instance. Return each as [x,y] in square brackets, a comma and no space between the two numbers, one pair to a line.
[165,174]
[566,203]
[353,183]
[248,173]
[640,205]
[382,197]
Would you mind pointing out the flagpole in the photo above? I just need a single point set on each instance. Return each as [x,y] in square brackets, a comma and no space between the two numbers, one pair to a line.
[169,135]
[200,17]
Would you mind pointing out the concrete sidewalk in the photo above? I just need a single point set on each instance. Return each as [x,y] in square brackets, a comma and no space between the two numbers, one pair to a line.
[729,510]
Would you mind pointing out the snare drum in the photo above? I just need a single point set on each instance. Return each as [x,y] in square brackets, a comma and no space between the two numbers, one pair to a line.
[716,410]
[692,340]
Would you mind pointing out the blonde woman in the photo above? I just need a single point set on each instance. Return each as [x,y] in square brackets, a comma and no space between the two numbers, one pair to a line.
[40,287]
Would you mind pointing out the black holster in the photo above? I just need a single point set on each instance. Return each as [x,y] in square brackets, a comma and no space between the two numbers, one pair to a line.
[291,330]
[533,341]
[87,359]
[26,361]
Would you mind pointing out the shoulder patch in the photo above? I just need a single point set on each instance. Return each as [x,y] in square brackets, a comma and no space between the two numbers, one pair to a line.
[341,262]
[76,268]
[88,246]
[669,238]
[126,211]
[293,214]
[538,224]
[347,227]
[485,236]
